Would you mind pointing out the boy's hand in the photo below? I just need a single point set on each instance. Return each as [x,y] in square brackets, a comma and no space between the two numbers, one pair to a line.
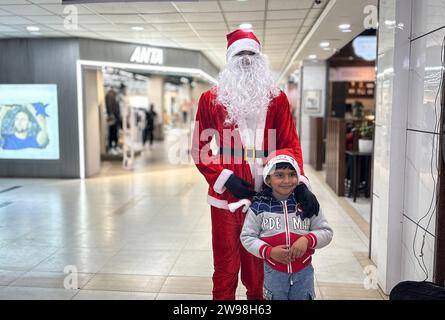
[280,253]
[298,248]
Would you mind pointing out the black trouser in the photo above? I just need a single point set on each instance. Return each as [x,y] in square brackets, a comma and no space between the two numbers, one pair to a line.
[148,135]
[112,135]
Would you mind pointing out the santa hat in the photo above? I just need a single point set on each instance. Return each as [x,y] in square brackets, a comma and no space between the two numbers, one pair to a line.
[282,155]
[241,40]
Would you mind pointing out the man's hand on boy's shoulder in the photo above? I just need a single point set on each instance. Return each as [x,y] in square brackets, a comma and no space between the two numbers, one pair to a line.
[307,200]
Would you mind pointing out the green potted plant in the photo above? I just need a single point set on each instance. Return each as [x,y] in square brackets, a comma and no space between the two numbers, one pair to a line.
[366,133]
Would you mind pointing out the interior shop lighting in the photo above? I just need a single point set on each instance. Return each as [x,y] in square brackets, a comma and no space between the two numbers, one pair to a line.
[32,28]
[245,26]
[344,26]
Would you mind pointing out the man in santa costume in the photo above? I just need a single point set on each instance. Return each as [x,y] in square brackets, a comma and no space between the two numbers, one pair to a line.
[249,117]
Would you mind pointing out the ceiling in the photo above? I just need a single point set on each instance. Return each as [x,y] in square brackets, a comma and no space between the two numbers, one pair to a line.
[281,25]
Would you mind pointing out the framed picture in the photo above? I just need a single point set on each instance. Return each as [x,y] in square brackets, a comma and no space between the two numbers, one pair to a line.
[29,124]
[312,101]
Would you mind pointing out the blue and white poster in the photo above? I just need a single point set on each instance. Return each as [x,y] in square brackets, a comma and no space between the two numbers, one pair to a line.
[29,122]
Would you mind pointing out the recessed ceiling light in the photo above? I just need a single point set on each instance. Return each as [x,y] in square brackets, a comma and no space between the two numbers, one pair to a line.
[245,26]
[324,44]
[344,26]
[346,30]
[137,28]
[312,56]
[326,49]
[390,22]
[32,29]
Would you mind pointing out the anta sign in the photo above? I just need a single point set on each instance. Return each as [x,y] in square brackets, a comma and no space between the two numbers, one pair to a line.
[147,55]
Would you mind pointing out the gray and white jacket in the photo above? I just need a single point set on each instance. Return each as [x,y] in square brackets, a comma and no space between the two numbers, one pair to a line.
[270,222]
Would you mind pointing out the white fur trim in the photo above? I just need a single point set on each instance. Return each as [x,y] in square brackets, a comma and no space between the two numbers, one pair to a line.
[236,205]
[217,203]
[241,45]
[277,159]
[305,180]
[221,181]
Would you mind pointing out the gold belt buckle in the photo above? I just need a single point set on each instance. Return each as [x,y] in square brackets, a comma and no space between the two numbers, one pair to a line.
[246,156]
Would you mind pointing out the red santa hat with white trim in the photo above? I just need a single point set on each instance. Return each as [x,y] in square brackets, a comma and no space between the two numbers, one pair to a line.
[278,156]
[242,40]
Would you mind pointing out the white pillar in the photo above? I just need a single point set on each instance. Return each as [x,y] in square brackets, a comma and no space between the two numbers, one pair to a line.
[390,139]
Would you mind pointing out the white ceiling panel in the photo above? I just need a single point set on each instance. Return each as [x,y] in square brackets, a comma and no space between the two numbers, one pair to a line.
[171,26]
[124,18]
[236,6]
[163,18]
[202,6]
[289,4]
[14,20]
[244,16]
[26,10]
[203,17]
[209,25]
[279,31]
[286,14]
[91,19]
[198,25]
[12,2]
[112,8]
[283,23]
[47,19]
[157,7]
[60,10]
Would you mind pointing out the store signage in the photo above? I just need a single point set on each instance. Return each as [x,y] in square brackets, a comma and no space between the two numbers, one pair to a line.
[147,55]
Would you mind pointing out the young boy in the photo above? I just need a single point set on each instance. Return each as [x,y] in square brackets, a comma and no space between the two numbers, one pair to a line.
[277,230]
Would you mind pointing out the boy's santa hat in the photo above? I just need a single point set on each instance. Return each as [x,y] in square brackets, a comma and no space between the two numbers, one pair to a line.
[282,155]
[242,40]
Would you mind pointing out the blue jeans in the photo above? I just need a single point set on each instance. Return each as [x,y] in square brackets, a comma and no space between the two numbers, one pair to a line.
[289,286]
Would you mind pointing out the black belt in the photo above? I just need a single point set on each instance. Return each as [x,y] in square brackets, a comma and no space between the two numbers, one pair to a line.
[247,153]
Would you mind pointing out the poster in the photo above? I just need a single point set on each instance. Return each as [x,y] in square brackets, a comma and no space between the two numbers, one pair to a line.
[29,122]
[312,101]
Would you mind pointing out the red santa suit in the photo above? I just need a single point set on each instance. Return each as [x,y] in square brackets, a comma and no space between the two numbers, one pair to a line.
[242,150]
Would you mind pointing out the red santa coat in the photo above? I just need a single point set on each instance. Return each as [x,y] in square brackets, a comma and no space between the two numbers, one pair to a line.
[216,168]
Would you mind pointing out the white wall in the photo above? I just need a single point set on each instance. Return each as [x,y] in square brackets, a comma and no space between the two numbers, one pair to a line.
[93,101]
[155,94]
[402,183]
[422,136]
[313,78]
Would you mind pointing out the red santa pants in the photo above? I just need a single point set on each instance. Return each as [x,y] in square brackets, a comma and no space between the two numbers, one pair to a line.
[229,256]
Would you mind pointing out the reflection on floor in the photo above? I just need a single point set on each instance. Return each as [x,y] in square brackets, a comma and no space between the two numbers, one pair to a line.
[143,234]
[363,207]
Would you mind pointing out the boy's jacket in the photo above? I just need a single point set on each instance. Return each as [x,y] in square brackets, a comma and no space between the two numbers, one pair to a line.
[271,222]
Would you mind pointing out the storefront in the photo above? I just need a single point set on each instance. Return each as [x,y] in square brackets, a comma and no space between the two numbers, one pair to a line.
[73,72]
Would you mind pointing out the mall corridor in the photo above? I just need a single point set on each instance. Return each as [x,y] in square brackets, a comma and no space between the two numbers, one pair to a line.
[144,235]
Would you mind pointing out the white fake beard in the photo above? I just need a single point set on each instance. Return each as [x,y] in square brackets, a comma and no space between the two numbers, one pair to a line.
[246,90]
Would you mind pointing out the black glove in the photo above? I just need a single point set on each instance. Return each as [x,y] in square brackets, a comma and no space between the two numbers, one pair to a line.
[307,200]
[239,187]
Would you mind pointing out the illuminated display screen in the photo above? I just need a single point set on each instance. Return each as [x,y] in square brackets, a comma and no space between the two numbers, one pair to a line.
[29,122]
[365,47]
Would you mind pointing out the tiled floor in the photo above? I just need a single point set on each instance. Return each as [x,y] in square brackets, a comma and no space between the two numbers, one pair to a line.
[131,235]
